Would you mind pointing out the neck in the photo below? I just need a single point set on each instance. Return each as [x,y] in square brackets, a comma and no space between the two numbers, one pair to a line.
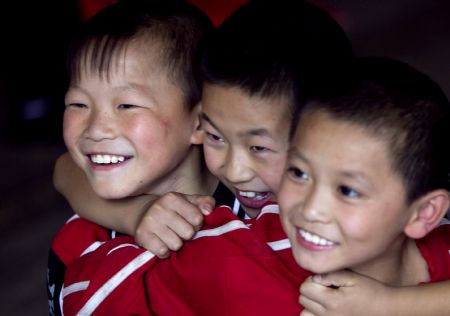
[402,264]
[190,176]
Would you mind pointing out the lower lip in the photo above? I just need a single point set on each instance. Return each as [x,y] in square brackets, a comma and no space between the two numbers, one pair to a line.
[253,202]
[309,245]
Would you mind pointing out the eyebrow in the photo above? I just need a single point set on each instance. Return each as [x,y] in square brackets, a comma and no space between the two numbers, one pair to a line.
[294,152]
[252,132]
[360,176]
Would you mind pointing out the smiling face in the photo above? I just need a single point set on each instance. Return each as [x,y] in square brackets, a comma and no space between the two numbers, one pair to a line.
[245,144]
[342,205]
[130,132]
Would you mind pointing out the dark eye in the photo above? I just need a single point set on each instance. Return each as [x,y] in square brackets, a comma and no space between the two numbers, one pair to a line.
[258,149]
[126,106]
[213,137]
[297,174]
[349,192]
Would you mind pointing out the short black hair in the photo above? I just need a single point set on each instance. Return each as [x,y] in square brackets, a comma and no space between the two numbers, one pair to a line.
[179,28]
[406,109]
[276,49]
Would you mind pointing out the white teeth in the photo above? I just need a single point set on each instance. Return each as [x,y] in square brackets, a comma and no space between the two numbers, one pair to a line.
[315,239]
[106,159]
[248,194]
[252,195]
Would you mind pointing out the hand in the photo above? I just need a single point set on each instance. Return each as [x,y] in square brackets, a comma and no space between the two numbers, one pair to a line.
[170,220]
[344,293]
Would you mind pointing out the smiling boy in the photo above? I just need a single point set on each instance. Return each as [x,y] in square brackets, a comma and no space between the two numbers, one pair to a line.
[367,180]
[131,122]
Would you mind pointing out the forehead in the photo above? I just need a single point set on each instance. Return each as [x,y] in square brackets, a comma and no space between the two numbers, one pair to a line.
[223,103]
[351,145]
[138,57]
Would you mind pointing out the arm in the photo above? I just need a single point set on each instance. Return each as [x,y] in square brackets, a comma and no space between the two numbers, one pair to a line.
[360,295]
[121,215]
[158,223]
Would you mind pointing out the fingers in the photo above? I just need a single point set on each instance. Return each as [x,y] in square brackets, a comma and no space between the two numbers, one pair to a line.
[205,203]
[311,296]
[341,278]
[311,307]
[306,313]
[170,220]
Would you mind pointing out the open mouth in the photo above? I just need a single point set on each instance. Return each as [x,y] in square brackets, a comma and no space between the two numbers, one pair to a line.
[314,239]
[253,199]
[105,159]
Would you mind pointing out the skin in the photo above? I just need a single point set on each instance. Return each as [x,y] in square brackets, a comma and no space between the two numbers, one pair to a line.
[245,142]
[131,133]
[340,191]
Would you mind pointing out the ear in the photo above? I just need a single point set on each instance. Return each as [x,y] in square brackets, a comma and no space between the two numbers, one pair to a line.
[197,133]
[428,211]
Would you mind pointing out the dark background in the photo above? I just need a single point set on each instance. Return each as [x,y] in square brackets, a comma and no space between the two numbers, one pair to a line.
[33,39]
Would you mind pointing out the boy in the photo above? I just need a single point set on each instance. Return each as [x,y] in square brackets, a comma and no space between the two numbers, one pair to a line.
[132,112]
[367,181]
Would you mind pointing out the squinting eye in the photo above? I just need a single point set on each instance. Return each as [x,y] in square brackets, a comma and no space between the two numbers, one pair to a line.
[349,192]
[297,173]
[213,137]
[76,105]
[258,148]
[126,106]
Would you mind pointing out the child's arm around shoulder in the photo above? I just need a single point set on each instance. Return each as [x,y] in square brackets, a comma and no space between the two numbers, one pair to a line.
[121,215]
[360,295]
[157,223]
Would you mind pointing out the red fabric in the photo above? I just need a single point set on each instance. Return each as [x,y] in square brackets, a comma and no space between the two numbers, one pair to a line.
[217,10]
[68,245]
[234,273]
[90,7]
[435,248]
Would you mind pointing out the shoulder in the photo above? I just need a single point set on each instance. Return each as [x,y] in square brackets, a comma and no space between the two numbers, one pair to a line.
[435,248]
[76,236]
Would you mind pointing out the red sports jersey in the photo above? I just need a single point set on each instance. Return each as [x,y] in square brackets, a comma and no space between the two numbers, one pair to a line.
[230,268]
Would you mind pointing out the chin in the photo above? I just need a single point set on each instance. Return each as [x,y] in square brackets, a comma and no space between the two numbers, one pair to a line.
[111,193]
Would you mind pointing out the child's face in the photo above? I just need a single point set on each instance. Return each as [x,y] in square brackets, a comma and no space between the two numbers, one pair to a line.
[342,205]
[129,133]
[246,141]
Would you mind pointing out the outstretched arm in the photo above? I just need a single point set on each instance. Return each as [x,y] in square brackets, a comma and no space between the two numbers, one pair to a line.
[159,224]
[122,215]
[354,294]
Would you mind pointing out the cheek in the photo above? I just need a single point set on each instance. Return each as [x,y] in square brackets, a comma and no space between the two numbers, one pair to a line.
[144,131]
[287,197]
[72,127]
[272,173]
[359,227]
[213,161]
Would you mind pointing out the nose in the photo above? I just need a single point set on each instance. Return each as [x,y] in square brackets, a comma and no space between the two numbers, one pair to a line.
[100,125]
[315,207]
[237,167]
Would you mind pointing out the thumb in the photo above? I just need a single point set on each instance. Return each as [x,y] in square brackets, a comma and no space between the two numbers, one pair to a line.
[205,203]
[337,279]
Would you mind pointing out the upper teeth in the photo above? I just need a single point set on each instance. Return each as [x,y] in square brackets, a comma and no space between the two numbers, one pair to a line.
[107,159]
[315,239]
[252,195]
[248,194]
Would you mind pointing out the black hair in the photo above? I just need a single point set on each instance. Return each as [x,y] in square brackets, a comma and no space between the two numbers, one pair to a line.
[179,29]
[405,108]
[276,48]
